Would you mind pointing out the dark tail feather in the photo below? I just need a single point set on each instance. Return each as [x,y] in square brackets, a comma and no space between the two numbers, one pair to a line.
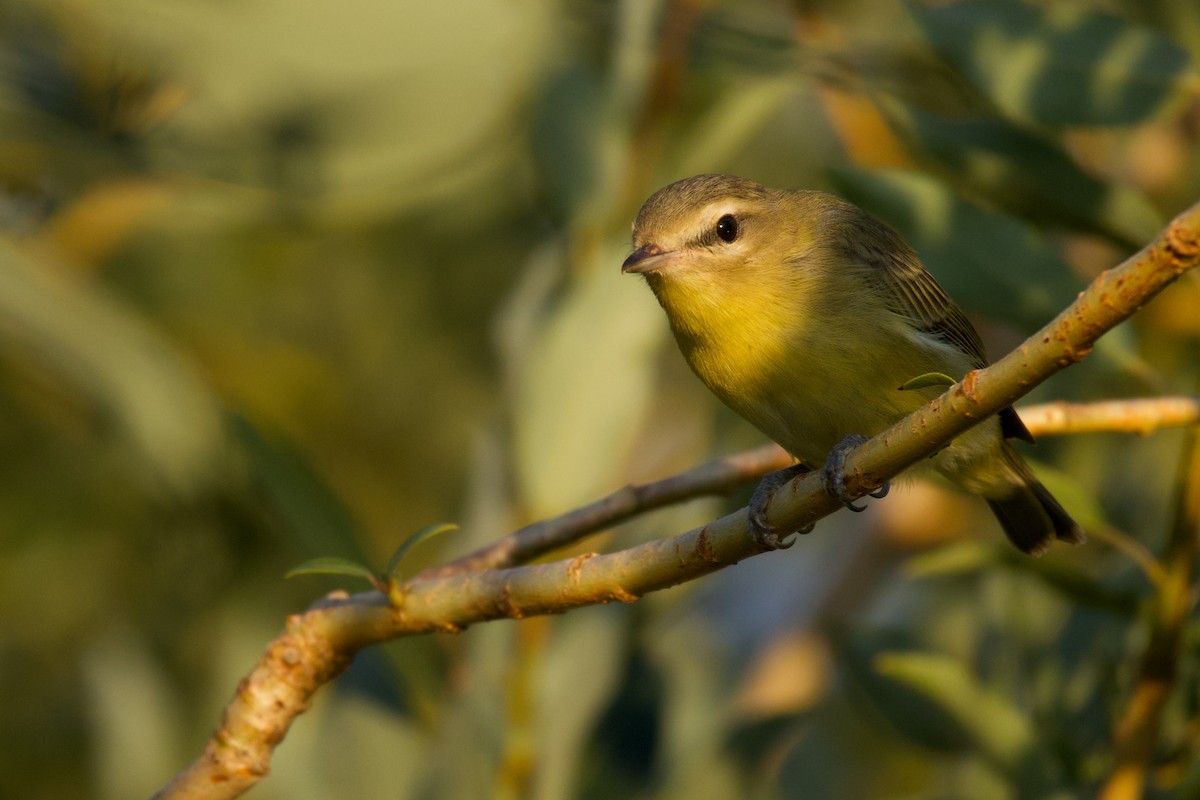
[1029,514]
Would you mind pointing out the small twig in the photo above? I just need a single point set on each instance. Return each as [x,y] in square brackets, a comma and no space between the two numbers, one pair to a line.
[1135,551]
[713,478]
[1143,416]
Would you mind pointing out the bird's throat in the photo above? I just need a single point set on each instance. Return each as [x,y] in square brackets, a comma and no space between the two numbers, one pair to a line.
[733,337]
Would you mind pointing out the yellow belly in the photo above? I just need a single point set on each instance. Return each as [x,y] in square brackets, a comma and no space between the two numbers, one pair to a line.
[807,396]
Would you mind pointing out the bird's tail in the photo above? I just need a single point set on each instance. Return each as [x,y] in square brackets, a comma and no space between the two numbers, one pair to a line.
[1029,514]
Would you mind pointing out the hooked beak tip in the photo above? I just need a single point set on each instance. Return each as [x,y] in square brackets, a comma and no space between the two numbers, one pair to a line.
[644,259]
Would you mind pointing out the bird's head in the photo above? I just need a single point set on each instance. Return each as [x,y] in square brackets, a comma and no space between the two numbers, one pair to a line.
[702,226]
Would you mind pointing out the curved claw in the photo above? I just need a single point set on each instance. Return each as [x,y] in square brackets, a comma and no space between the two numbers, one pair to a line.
[763,532]
[766,535]
[834,473]
[882,491]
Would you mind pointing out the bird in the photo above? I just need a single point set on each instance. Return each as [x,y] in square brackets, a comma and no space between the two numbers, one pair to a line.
[808,316]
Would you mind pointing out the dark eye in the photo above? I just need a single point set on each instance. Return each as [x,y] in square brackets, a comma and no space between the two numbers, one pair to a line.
[727,228]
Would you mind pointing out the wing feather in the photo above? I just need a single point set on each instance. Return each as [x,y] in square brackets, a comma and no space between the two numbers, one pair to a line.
[914,294]
[910,290]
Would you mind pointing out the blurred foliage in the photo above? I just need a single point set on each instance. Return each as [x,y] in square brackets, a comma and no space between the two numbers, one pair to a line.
[280,280]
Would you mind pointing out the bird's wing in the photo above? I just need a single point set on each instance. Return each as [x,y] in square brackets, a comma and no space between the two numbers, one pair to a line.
[908,288]
[914,294]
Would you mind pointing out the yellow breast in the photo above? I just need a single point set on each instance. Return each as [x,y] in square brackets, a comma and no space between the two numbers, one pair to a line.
[804,370]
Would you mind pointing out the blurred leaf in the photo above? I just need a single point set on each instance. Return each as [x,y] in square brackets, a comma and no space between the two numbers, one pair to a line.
[311,513]
[623,748]
[411,542]
[990,263]
[415,116]
[1078,499]
[580,673]
[1072,582]
[98,223]
[730,125]
[911,714]
[1003,734]
[756,38]
[475,722]
[77,334]
[1065,576]
[365,750]
[133,709]
[918,77]
[568,128]
[332,565]
[1026,174]
[584,390]
[693,759]
[1059,65]
[954,559]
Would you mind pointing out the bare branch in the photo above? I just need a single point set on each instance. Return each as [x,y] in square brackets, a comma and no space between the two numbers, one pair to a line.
[717,477]
[723,475]
[1143,416]
[318,644]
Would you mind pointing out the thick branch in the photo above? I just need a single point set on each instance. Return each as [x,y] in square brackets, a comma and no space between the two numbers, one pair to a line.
[318,644]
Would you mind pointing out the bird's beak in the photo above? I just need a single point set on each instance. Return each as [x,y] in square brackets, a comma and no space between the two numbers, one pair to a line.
[648,258]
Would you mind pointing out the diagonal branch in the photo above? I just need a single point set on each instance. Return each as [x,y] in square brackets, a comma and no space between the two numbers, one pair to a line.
[318,644]
[717,477]
[721,476]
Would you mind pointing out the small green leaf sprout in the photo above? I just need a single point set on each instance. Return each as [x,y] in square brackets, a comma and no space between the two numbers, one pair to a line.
[386,582]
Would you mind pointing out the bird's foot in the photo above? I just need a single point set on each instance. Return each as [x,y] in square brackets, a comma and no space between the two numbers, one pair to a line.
[833,474]
[764,532]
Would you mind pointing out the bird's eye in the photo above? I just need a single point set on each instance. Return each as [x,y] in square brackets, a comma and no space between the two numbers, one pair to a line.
[727,228]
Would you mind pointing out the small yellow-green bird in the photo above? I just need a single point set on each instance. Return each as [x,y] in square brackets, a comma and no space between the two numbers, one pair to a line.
[806,316]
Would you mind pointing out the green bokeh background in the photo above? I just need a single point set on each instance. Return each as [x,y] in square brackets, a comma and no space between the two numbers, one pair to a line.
[289,279]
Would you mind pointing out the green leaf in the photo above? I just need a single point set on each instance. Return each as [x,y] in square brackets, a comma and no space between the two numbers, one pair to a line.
[1025,173]
[1002,733]
[333,565]
[1083,589]
[730,125]
[314,518]
[102,354]
[927,380]
[959,558]
[1057,66]
[585,383]
[568,129]
[412,541]
[579,674]
[910,714]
